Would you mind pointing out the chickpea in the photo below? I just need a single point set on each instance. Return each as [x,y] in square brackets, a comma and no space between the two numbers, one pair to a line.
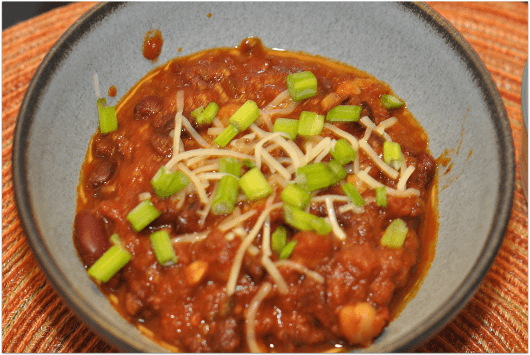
[360,323]
[195,272]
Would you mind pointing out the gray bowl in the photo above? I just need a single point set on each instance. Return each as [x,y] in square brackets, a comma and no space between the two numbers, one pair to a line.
[409,46]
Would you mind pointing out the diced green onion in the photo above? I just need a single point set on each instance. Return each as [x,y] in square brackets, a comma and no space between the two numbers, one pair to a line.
[395,234]
[305,221]
[392,154]
[301,85]
[163,248]
[310,124]
[287,125]
[225,196]
[391,101]
[314,176]
[197,113]
[320,225]
[115,239]
[109,263]
[287,250]
[296,196]
[209,113]
[226,136]
[254,185]
[380,196]
[343,152]
[245,115]
[108,121]
[230,165]
[142,215]
[279,239]
[249,163]
[166,183]
[338,170]
[354,195]
[344,113]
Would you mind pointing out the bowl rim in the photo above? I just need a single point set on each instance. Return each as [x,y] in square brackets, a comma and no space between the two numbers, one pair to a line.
[413,339]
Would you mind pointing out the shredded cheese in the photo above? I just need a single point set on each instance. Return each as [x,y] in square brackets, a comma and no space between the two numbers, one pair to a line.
[263,292]
[387,169]
[236,221]
[339,233]
[301,269]
[201,192]
[404,177]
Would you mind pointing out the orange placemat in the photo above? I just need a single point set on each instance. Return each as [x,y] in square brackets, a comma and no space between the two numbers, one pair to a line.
[34,317]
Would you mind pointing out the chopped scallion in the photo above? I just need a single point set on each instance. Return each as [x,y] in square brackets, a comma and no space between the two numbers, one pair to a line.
[166,183]
[391,101]
[245,115]
[226,136]
[344,113]
[225,196]
[115,239]
[395,234]
[109,263]
[279,239]
[392,154]
[249,163]
[343,152]
[230,165]
[353,194]
[108,121]
[163,248]
[209,113]
[314,176]
[287,125]
[305,221]
[295,196]
[380,196]
[254,185]
[301,85]
[310,124]
[143,214]
[338,170]
[287,250]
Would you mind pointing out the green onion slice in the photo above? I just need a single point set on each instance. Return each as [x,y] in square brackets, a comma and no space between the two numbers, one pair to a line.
[254,185]
[226,136]
[109,263]
[380,196]
[310,124]
[338,170]
[225,196]
[288,249]
[278,239]
[395,234]
[344,113]
[166,183]
[245,115]
[249,163]
[314,176]
[287,125]
[295,196]
[108,121]
[353,194]
[343,151]
[305,221]
[163,248]
[392,154]
[391,101]
[208,114]
[301,85]
[230,165]
[142,215]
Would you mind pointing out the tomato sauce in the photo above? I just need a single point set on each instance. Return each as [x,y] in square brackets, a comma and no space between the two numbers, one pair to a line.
[185,306]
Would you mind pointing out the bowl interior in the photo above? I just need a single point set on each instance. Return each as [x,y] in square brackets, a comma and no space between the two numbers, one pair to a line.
[408,46]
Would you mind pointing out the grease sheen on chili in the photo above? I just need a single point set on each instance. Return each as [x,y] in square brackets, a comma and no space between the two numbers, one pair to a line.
[185,305]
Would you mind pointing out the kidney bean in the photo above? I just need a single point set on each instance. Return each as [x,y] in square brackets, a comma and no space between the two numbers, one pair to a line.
[103,146]
[91,238]
[163,123]
[424,173]
[162,144]
[101,173]
[147,107]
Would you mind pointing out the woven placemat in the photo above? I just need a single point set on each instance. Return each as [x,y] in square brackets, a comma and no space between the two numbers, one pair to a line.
[34,317]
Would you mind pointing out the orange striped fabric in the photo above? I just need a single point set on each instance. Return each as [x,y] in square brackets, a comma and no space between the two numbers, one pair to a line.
[34,317]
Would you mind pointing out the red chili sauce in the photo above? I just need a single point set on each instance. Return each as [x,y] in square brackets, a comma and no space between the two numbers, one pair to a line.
[152,46]
[185,306]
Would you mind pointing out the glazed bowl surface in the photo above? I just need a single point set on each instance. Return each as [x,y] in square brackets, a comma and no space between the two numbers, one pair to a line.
[409,46]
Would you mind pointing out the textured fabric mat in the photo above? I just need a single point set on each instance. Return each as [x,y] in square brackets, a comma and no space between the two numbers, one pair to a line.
[34,317]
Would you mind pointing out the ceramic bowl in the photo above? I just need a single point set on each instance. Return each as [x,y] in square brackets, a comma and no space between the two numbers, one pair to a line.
[409,46]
